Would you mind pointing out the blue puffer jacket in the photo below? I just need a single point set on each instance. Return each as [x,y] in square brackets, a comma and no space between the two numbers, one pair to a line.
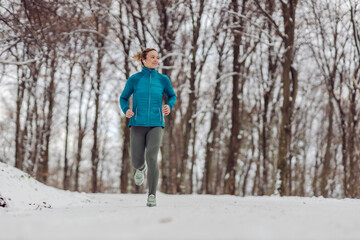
[148,87]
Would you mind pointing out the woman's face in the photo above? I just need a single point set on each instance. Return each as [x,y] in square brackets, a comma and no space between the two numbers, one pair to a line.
[152,60]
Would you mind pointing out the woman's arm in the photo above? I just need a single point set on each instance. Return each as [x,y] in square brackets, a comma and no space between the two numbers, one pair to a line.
[170,94]
[125,95]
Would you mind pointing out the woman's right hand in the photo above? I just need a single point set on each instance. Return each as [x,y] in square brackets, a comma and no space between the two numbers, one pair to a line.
[129,113]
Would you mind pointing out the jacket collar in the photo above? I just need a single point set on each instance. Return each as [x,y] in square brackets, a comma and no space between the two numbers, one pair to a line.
[148,70]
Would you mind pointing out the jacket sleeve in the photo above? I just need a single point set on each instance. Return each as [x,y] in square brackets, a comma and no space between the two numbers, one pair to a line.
[169,92]
[125,95]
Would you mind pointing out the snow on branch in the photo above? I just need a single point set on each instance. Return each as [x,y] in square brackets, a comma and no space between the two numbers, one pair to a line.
[94,32]
[266,14]
[356,35]
[18,63]
[226,75]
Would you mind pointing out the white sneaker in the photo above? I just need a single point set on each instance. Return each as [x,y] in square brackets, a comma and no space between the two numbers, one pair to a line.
[151,201]
[139,176]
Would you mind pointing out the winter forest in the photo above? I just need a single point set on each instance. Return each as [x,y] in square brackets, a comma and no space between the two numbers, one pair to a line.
[267,94]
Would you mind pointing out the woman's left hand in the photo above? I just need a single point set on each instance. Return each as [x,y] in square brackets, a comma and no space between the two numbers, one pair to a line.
[166,110]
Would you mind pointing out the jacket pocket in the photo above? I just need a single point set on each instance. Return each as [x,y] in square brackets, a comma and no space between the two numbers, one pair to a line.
[136,113]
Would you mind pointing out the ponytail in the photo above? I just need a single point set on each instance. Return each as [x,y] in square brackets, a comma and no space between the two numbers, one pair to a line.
[137,56]
[141,55]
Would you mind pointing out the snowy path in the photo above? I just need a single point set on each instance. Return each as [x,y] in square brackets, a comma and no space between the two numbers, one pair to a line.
[117,216]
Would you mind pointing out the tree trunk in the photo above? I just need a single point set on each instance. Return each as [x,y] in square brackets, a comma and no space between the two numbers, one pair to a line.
[125,40]
[229,183]
[66,180]
[354,183]
[43,165]
[167,36]
[35,151]
[343,141]
[315,178]
[81,128]
[267,96]
[354,163]
[125,161]
[327,158]
[193,158]
[210,168]
[19,148]
[212,138]
[101,26]
[95,148]
[288,81]
[191,108]
[168,161]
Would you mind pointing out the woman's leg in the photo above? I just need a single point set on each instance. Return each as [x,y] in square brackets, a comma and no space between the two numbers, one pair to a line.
[137,146]
[153,142]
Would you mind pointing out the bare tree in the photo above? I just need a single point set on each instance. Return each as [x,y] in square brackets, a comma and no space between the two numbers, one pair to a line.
[82,126]
[171,17]
[234,145]
[329,71]
[269,81]
[289,85]
[126,43]
[66,181]
[101,25]
[211,164]
[196,16]
[353,119]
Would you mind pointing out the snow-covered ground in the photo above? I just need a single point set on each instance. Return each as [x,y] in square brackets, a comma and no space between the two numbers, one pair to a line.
[36,211]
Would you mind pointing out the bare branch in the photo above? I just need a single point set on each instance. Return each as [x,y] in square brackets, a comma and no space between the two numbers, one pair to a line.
[356,86]
[266,14]
[18,63]
[356,36]
[94,32]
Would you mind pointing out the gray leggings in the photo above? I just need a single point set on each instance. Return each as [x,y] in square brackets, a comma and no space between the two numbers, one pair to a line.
[145,142]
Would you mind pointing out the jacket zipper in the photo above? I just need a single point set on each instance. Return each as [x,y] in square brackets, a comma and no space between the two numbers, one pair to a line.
[136,113]
[149,101]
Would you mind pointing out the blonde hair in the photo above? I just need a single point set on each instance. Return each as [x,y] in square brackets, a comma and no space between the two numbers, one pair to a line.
[141,55]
